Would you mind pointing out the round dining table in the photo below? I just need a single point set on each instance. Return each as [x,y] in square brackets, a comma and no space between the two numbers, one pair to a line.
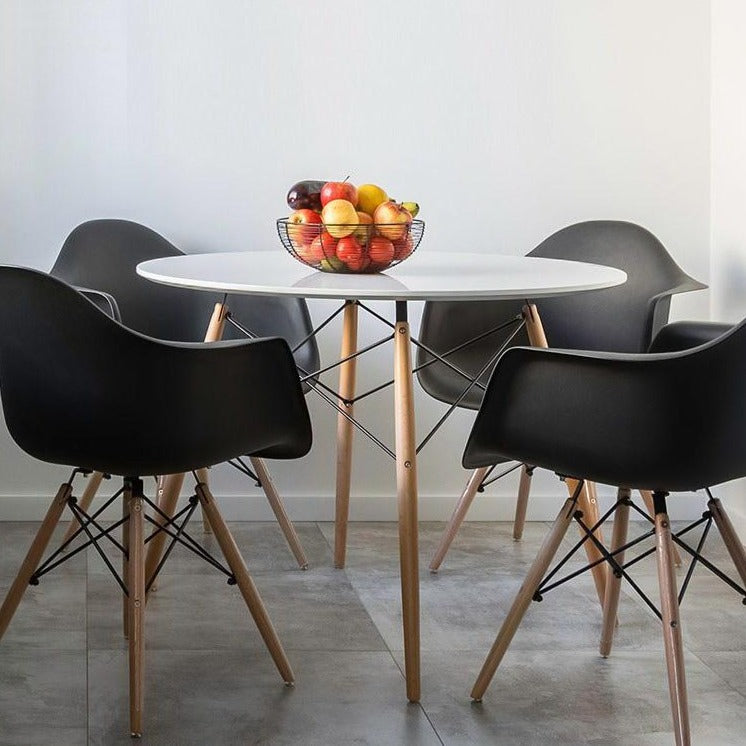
[425,276]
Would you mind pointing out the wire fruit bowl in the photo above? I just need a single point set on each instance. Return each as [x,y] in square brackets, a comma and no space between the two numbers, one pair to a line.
[351,249]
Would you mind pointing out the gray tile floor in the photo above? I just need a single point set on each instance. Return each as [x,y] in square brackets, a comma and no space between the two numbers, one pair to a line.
[63,662]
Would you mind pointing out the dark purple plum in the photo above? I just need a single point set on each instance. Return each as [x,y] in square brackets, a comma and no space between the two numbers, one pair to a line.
[305,195]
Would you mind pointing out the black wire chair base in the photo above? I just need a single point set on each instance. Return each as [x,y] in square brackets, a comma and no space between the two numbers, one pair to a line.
[173,526]
[620,569]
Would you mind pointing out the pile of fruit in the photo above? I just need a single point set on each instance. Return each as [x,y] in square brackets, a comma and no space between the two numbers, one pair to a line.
[338,227]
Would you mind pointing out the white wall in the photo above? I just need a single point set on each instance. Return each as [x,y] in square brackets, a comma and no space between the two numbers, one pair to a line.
[729,180]
[505,120]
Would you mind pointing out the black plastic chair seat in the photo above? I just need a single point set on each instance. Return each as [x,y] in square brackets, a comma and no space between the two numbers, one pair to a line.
[668,421]
[81,389]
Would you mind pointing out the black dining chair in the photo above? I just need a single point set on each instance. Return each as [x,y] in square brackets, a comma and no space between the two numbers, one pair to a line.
[665,421]
[470,335]
[80,389]
[100,257]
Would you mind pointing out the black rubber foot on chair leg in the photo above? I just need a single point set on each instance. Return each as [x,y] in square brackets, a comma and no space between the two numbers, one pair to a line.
[135,735]
[289,684]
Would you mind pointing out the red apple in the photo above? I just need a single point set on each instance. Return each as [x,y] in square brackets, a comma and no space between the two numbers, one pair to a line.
[303,227]
[322,247]
[392,220]
[350,252]
[340,217]
[380,250]
[403,247]
[338,190]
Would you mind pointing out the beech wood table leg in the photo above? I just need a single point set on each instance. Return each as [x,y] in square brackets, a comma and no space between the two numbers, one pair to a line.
[91,488]
[347,371]
[406,482]
[459,513]
[538,338]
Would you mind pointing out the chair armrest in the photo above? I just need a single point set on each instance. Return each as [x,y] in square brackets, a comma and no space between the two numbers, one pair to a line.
[683,335]
[103,301]
[621,419]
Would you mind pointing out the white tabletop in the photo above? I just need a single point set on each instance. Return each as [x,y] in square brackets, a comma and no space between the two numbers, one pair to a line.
[427,275]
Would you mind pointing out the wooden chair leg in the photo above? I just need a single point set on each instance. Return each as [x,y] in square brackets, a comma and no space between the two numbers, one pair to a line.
[245,583]
[347,372]
[125,565]
[595,511]
[203,477]
[523,599]
[214,333]
[614,582]
[136,608]
[647,498]
[33,556]
[672,638]
[537,338]
[459,513]
[91,488]
[275,502]
[521,504]
[168,491]
[730,537]
[591,550]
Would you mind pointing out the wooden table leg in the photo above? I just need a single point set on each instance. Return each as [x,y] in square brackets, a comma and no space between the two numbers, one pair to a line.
[538,338]
[406,482]
[347,372]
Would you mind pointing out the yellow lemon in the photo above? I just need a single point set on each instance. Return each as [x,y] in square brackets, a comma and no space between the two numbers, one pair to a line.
[369,196]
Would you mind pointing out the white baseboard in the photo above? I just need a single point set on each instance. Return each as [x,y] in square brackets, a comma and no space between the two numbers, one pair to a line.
[254,507]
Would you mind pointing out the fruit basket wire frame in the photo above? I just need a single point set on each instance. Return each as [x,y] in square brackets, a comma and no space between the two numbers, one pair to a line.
[326,260]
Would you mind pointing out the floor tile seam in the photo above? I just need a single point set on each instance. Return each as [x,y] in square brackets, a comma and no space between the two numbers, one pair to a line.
[419,704]
[696,654]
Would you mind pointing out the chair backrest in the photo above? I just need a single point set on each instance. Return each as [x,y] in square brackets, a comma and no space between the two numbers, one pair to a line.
[103,254]
[79,388]
[619,319]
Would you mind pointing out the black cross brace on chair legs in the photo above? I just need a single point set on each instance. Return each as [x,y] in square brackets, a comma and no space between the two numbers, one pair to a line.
[173,526]
[620,570]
